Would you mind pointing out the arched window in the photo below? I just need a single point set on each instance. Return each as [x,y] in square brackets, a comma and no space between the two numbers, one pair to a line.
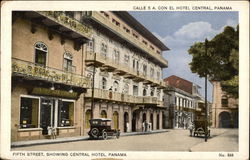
[104,49]
[41,51]
[152,92]
[104,83]
[67,62]
[116,86]
[103,114]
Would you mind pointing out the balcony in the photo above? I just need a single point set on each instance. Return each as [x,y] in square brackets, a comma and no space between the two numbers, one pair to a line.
[113,96]
[57,19]
[36,72]
[96,16]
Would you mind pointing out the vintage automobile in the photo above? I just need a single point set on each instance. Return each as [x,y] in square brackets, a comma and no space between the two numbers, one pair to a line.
[101,127]
[200,128]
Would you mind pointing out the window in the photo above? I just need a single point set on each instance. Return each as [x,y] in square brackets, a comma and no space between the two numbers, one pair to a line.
[41,51]
[152,91]
[224,101]
[116,56]
[105,14]
[158,75]
[152,72]
[159,93]
[126,59]
[135,90]
[67,62]
[144,69]
[134,64]
[116,86]
[104,49]
[103,114]
[145,42]
[152,47]
[29,112]
[91,45]
[104,83]
[66,114]
[144,92]
[126,88]
[116,22]
[175,100]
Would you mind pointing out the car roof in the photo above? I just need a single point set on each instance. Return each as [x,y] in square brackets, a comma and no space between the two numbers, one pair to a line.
[100,119]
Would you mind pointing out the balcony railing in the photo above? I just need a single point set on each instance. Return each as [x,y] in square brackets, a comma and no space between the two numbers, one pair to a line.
[69,22]
[28,69]
[120,32]
[118,97]
[105,61]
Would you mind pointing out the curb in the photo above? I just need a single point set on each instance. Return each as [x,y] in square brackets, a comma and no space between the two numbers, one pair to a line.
[31,143]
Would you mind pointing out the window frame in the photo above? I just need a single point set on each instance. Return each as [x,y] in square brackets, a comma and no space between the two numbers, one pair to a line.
[39,108]
[47,53]
[66,100]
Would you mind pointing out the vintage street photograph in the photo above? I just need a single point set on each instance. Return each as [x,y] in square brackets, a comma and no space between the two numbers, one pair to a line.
[120,81]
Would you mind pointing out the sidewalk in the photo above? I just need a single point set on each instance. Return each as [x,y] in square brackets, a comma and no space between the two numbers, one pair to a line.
[226,141]
[72,139]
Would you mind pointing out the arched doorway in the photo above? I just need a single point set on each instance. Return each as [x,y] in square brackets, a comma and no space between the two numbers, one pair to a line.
[158,121]
[152,121]
[103,114]
[224,118]
[134,122]
[116,120]
[126,122]
[87,118]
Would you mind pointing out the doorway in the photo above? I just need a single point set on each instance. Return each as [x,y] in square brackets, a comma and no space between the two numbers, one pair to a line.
[46,114]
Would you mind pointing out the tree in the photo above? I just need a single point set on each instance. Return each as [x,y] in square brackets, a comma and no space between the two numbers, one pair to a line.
[221,61]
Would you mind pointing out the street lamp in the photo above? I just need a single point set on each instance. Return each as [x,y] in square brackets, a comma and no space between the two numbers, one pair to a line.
[206,130]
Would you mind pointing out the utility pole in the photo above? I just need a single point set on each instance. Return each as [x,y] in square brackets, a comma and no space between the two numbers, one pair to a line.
[206,121]
[93,87]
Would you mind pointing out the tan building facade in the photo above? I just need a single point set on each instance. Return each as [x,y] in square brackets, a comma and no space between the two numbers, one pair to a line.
[224,108]
[126,61]
[48,79]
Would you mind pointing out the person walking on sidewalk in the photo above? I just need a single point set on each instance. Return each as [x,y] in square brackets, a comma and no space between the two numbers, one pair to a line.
[191,128]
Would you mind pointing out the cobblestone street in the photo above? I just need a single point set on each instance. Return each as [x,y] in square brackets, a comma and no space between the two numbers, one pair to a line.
[172,140]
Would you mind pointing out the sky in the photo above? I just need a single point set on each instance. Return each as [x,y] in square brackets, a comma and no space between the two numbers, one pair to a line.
[180,30]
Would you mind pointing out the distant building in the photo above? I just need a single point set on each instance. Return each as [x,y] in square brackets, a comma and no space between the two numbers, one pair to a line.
[224,108]
[183,99]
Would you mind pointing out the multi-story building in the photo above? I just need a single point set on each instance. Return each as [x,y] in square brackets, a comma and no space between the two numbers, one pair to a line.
[183,104]
[70,66]
[48,74]
[224,108]
[125,62]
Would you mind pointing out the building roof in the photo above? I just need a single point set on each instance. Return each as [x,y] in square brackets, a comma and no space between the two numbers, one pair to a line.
[179,83]
[130,20]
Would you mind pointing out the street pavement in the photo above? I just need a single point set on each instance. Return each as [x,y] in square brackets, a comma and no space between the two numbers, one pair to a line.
[170,140]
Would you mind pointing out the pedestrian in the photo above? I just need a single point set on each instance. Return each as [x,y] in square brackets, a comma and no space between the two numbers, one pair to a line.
[191,128]
[143,126]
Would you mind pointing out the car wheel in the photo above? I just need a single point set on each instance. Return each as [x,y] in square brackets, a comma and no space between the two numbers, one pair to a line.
[104,135]
[94,132]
